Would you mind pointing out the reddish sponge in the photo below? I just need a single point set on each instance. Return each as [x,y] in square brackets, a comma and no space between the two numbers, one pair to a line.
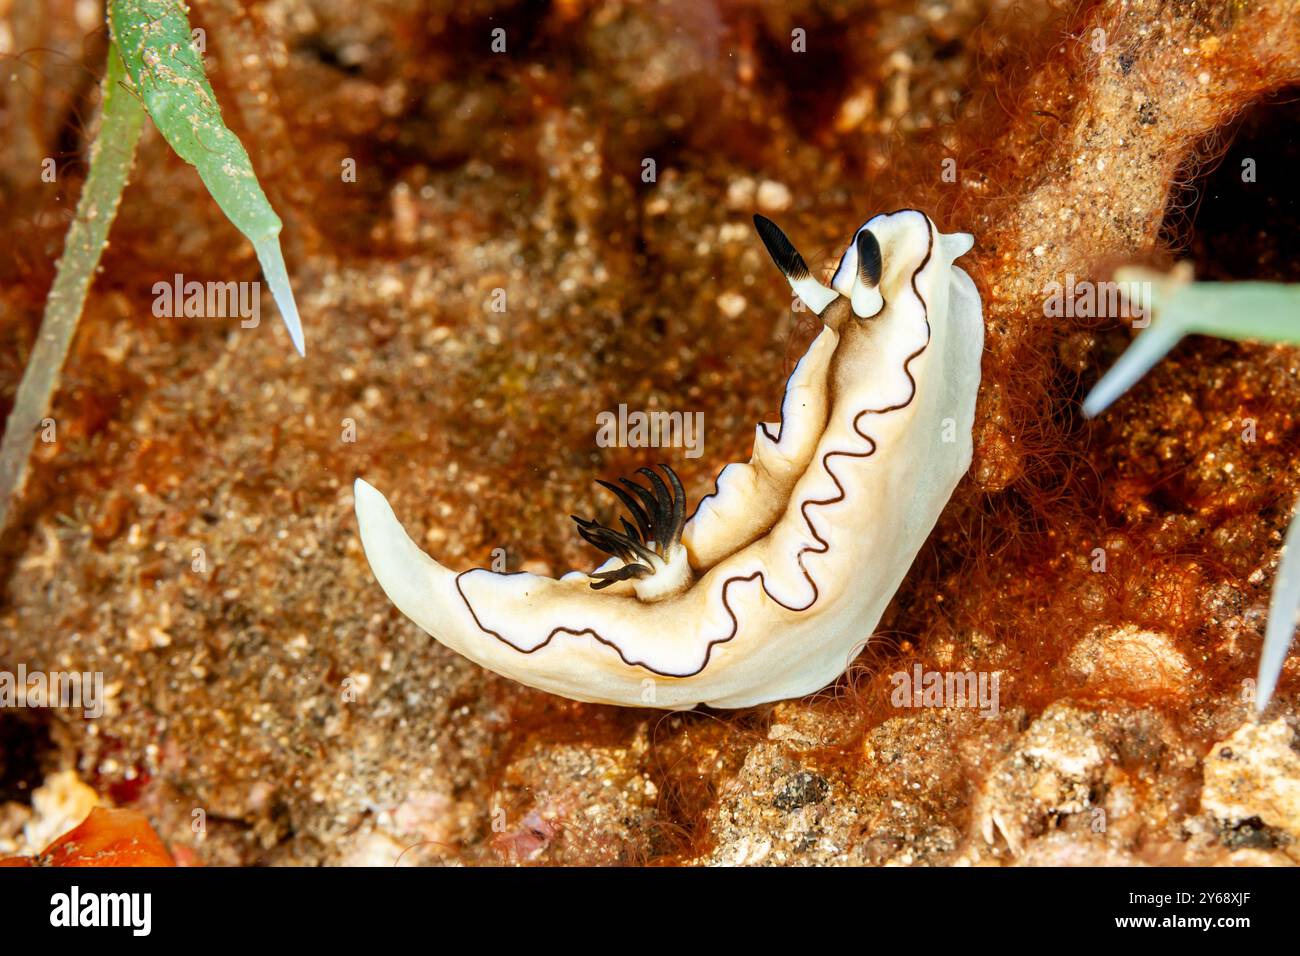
[105,838]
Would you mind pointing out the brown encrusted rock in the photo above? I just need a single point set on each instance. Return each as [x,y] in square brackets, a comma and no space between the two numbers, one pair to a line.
[1113,777]
[810,796]
[779,812]
[1255,775]
[1129,659]
[572,804]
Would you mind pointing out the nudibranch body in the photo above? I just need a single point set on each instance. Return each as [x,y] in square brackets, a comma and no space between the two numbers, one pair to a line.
[777,580]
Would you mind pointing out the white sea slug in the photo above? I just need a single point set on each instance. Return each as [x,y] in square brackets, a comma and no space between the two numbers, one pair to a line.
[776,582]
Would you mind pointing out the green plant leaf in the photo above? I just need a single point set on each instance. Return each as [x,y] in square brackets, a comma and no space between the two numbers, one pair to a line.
[154,39]
[1241,311]
[111,155]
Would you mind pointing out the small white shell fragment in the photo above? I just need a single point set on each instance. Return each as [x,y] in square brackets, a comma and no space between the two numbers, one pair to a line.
[784,571]
[773,196]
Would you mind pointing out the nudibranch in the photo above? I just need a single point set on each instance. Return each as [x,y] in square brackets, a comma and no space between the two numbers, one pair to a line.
[777,580]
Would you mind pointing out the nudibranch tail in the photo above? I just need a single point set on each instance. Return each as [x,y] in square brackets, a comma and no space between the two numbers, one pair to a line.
[775,582]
